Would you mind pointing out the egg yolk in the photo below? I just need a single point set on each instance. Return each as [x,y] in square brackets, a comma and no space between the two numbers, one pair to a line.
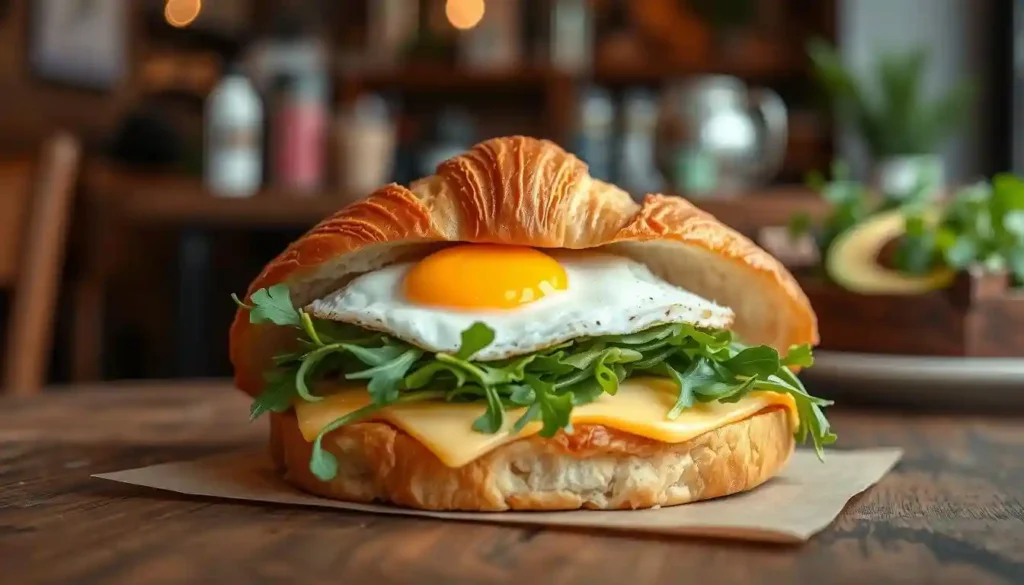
[484,276]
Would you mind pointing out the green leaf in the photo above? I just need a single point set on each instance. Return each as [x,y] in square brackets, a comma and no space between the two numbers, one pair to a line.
[799,355]
[277,395]
[308,365]
[474,338]
[323,464]
[555,409]
[529,416]
[584,359]
[522,395]
[307,325]
[700,374]
[552,364]
[274,305]
[658,332]
[754,361]
[685,399]
[916,254]
[962,254]
[1013,223]
[654,357]
[425,375]
[799,225]
[493,418]
[375,356]
[1015,259]
[605,374]
[487,375]
[585,392]
[738,391]
[386,378]
[710,339]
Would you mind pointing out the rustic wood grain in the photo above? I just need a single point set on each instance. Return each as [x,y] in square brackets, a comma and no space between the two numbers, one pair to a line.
[952,512]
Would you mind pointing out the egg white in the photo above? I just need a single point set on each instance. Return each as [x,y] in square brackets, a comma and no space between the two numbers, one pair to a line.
[606,295]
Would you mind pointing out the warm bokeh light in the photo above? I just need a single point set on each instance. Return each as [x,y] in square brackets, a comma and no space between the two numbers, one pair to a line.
[464,14]
[181,13]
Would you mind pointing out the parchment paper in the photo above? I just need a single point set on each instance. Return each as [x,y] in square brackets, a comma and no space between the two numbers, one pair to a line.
[801,501]
[792,507]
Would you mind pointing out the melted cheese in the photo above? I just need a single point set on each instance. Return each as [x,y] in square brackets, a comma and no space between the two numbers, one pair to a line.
[639,408]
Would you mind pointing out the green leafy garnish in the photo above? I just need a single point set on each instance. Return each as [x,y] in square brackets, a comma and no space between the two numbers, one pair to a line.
[386,378]
[544,386]
[983,225]
[277,394]
[477,337]
[272,305]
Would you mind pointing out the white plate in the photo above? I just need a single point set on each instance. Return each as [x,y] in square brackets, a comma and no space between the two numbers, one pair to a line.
[932,381]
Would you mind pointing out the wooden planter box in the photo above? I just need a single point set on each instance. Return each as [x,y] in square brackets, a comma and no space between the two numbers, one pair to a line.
[978,316]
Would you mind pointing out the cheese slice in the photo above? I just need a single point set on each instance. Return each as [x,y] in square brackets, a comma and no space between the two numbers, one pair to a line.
[639,407]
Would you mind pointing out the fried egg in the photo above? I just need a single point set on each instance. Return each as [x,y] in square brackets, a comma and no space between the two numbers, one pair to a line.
[532,299]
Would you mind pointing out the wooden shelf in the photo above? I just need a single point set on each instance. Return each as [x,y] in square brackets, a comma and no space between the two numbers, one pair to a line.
[160,199]
[440,77]
[154,198]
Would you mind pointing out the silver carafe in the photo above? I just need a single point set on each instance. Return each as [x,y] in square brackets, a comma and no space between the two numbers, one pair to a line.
[714,136]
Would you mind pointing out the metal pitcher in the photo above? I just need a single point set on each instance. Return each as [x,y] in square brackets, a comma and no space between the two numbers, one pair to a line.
[714,136]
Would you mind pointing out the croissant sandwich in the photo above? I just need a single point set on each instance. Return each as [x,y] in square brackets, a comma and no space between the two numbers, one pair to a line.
[512,334]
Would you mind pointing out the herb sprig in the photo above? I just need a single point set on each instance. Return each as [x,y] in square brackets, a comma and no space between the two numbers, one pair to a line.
[982,225]
[545,386]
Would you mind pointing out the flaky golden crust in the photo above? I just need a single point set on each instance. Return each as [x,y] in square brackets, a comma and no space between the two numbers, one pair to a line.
[530,192]
[595,468]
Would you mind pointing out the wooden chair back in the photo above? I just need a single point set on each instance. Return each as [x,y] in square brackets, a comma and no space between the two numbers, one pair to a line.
[36,198]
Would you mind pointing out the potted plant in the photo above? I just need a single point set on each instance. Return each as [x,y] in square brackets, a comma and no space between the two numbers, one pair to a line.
[900,127]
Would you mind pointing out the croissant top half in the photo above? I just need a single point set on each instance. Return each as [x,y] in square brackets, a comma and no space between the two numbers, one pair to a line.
[525,191]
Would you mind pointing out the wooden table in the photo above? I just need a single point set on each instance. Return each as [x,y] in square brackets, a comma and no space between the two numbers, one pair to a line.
[952,512]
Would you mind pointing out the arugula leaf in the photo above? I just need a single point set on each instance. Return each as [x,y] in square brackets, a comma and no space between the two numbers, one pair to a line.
[552,364]
[522,395]
[493,418]
[425,375]
[322,463]
[475,338]
[374,356]
[386,377]
[754,361]
[642,337]
[277,395]
[274,305]
[799,355]
[738,391]
[586,358]
[585,392]
[529,416]
[308,364]
[686,398]
[604,367]
[555,409]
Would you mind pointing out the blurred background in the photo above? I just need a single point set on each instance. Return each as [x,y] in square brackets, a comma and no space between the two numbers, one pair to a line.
[167,149]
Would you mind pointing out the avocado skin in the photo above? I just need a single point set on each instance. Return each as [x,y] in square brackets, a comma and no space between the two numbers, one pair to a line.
[852,260]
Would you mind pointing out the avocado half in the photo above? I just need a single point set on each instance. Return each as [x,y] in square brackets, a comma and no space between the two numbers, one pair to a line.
[852,260]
